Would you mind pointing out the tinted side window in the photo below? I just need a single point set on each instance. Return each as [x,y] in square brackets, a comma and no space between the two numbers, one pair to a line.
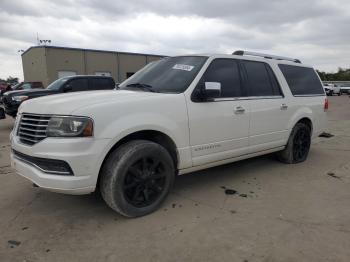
[79,84]
[101,83]
[226,72]
[302,80]
[259,80]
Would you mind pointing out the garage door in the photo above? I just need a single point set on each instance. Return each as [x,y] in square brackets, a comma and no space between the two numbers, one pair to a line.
[100,73]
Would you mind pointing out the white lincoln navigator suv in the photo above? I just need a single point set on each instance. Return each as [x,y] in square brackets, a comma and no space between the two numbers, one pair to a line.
[175,116]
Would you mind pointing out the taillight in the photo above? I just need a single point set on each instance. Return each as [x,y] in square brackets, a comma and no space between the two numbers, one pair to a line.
[326,104]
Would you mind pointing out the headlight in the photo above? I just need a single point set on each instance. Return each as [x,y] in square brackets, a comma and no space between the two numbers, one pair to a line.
[19,98]
[69,126]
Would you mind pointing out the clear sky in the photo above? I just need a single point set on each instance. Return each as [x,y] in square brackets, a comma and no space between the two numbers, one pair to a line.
[315,31]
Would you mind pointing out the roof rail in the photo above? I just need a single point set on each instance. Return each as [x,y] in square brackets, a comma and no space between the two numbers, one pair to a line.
[241,52]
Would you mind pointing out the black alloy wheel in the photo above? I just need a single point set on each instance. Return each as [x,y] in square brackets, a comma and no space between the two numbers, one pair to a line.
[301,144]
[137,177]
[144,181]
[298,145]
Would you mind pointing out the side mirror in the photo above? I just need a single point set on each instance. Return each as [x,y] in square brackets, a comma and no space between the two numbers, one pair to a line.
[67,88]
[212,90]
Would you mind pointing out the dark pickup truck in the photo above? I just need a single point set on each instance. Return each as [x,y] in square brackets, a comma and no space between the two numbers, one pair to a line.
[13,99]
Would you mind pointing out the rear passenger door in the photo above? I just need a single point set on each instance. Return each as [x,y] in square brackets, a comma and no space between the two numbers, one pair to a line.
[219,127]
[269,108]
[101,83]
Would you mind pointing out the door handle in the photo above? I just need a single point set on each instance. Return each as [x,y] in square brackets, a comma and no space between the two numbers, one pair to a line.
[284,107]
[239,110]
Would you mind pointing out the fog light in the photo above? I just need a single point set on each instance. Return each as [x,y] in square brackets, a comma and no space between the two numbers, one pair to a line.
[49,166]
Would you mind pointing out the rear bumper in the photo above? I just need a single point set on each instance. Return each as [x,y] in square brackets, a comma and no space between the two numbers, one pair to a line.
[345,90]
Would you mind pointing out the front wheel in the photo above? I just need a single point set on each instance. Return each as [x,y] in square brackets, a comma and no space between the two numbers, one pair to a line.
[137,177]
[298,145]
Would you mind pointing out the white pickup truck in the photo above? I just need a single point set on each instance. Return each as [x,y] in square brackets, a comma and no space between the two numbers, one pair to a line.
[332,89]
[177,115]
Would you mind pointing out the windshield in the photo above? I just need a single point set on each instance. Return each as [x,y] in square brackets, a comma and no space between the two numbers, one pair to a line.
[57,84]
[169,75]
[26,86]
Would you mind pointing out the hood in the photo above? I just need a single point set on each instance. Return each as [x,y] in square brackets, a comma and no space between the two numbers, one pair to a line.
[28,92]
[67,103]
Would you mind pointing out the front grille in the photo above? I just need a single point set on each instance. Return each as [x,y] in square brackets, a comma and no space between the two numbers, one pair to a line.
[32,128]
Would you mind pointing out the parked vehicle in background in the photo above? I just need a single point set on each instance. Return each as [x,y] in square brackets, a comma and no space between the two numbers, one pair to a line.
[332,89]
[22,86]
[345,90]
[13,99]
[2,113]
[178,115]
[27,85]
[3,87]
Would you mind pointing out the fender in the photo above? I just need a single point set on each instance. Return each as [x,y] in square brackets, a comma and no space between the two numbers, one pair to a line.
[124,126]
[303,112]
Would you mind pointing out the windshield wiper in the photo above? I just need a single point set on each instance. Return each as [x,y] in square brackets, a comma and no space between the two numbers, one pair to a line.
[143,87]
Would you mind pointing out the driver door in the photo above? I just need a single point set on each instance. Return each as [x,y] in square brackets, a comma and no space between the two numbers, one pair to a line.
[219,128]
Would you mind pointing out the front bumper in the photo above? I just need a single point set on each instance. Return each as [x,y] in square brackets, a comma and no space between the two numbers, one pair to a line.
[84,156]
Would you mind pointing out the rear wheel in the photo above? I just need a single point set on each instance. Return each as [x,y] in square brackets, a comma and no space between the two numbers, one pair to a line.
[137,177]
[298,145]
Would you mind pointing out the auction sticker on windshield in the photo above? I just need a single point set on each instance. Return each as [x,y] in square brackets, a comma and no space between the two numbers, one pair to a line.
[183,67]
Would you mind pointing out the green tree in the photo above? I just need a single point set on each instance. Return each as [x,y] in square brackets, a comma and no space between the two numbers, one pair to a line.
[12,80]
[341,75]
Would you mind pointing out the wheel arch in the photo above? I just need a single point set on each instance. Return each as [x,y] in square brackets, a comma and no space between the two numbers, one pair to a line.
[151,135]
[304,115]
[307,121]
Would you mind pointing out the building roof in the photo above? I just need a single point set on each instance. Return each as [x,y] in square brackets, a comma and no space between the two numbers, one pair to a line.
[84,49]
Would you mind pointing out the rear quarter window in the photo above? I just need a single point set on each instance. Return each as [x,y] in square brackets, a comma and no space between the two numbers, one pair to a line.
[302,80]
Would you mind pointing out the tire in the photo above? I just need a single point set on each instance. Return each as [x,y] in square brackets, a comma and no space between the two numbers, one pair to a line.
[340,93]
[137,177]
[298,145]
[331,93]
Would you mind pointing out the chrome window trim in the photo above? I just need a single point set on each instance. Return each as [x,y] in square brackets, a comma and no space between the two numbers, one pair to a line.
[310,95]
[245,98]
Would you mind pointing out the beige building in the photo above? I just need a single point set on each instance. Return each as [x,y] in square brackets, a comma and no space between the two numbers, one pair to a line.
[48,63]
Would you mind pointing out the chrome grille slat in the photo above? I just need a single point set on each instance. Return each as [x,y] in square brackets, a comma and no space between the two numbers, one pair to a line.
[34,119]
[27,124]
[30,140]
[32,135]
[32,128]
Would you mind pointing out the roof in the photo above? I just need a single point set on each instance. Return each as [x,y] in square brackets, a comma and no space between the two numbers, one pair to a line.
[87,76]
[91,50]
